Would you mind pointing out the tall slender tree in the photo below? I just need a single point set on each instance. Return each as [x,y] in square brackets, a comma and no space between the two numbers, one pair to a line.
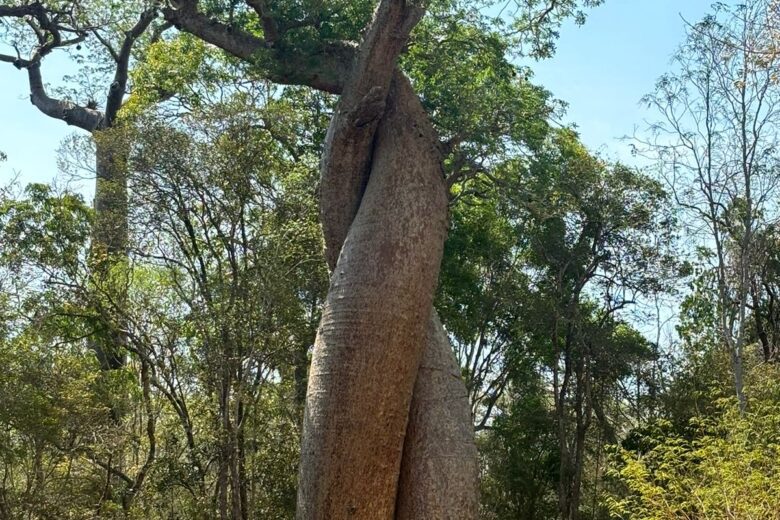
[716,143]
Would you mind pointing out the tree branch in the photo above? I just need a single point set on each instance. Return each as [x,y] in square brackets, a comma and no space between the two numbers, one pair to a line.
[49,34]
[116,91]
[324,68]
[16,61]
[84,118]
[19,11]
[106,44]
[184,15]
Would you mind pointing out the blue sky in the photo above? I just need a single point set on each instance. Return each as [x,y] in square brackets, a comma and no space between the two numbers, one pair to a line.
[601,70]
[29,138]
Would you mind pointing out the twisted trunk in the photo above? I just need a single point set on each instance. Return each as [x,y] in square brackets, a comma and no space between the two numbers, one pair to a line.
[438,471]
[371,337]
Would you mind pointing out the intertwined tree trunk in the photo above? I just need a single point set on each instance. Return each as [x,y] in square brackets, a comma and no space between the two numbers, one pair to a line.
[387,429]
[387,426]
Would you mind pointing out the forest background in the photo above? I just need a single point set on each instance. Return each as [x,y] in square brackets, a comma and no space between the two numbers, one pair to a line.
[611,303]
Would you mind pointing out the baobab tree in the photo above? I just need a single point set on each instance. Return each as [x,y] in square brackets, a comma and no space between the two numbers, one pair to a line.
[387,429]
[34,30]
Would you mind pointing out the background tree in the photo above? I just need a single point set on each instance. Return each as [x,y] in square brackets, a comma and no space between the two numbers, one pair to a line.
[591,234]
[240,252]
[226,280]
[104,37]
[716,144]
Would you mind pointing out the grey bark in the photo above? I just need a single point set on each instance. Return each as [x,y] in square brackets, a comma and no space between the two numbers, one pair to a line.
[72,114]
[439,470]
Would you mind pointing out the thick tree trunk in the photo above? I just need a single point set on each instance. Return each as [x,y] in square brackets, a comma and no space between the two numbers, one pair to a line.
[440,470]
[369,345]
[109,246]
[373,329]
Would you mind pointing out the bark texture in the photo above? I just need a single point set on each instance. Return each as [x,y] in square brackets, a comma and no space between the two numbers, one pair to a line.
[348,145]
[439,471]
[85,118]
[369,345]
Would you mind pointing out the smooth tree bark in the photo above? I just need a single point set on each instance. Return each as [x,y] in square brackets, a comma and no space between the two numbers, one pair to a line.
[369,345]
[439,465]
[387,427]
[439,470]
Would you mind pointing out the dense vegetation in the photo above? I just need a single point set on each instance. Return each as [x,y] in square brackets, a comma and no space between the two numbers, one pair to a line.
[155,345]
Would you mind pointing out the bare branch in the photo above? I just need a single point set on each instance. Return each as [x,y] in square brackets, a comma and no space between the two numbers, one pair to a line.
[118,87]
[85,118]
[106,44]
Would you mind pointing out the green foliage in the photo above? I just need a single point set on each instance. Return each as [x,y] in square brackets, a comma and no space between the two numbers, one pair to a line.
[44,228]
[478,270]
[520,456]
[477,98]
[238,265]
[224,283]
[725,467]
[544,255]
[169,68]
[550,247]
[52,393]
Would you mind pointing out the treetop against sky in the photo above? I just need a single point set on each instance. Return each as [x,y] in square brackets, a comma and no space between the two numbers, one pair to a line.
[600,70]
